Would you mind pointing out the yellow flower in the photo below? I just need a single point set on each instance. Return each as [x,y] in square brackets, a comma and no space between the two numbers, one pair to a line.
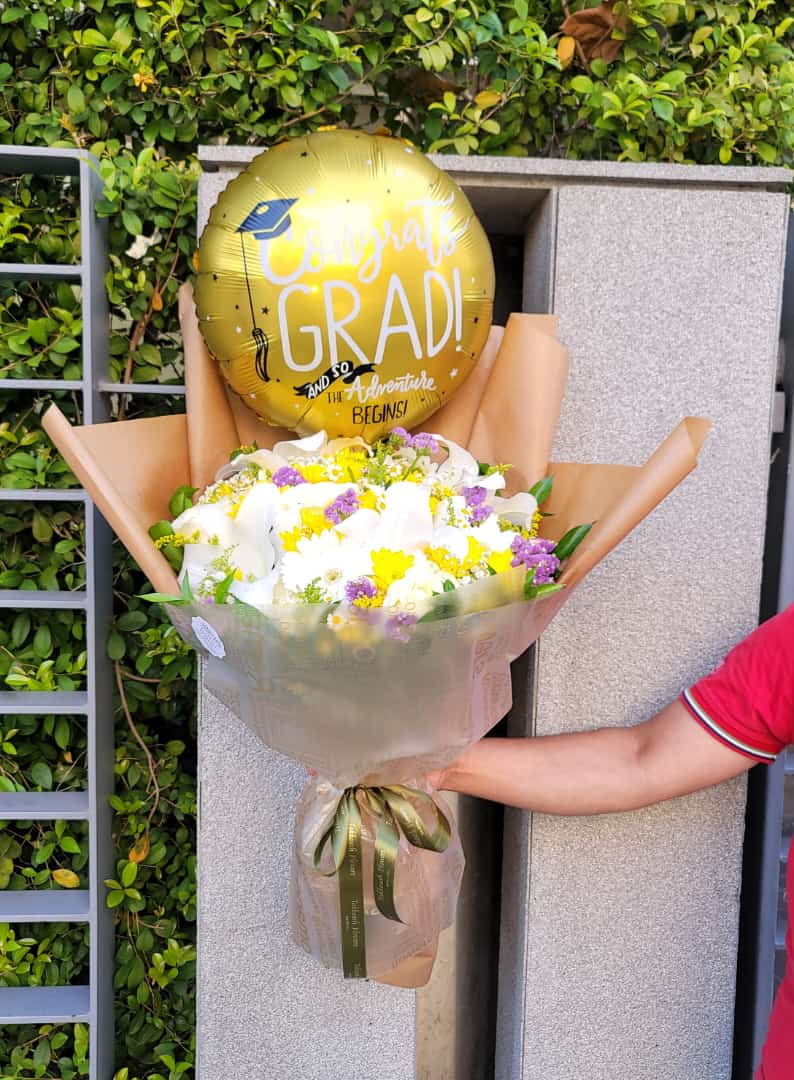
[438,495]
[143,80]
[289,540]
[369,500]
[313,473]
[457,568]
[314,520]
[499,561]
[389,566]
[474,554]
[352,460]
[537,517]
[444,561]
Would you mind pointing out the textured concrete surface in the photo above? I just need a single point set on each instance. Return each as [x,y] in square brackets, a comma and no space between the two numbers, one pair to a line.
[669,303]
[553,171]
[618,934]
[266,1010]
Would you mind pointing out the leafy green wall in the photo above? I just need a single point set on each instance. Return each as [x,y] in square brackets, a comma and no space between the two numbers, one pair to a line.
[140,83]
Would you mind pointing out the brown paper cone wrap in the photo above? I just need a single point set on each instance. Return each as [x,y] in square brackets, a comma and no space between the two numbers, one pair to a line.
[506,412]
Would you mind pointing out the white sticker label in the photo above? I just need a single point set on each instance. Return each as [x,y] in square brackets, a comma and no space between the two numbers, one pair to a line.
[208,637]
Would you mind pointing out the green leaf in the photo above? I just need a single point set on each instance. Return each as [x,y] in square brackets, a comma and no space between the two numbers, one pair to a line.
[132,223]
[291,96]
[39,20]
[75,99]
[663,108]
[20,629]
[62,732]
[42,1054]
[571,541]
[136,974]
[41,528]
[81,1043]
[161,598]
[116,645]
[701,34]
[42,642]
[181,500]
[542,489]
[12,14]
[338,76]
[70,845]
[581,84]
[41,775]
[129,874]
[131,620]
[221,590]
[766,152]
[115,896]
[161,529]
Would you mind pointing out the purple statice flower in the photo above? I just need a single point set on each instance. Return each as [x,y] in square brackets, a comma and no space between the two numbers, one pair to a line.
[398,626]
[286,476]
[475,500]
[359,589]
[537,554]
[423,441]
[474,496]
[342,507]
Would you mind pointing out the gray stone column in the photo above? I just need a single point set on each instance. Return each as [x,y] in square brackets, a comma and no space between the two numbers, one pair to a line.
[619,933]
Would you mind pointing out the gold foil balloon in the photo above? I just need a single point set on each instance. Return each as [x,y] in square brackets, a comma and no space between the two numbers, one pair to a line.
[345,284]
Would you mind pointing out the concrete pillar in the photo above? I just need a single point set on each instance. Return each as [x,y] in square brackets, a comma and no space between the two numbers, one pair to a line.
[619,947]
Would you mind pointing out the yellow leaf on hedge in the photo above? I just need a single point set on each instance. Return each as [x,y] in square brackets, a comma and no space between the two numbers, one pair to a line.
[566,47]
[140,849]
[67,878]
[195,261]
[157,300]
[486,98]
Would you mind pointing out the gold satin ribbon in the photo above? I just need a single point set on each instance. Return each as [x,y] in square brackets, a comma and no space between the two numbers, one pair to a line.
[394,809]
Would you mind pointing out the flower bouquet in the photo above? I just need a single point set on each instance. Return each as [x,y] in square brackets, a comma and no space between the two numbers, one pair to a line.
[358,606]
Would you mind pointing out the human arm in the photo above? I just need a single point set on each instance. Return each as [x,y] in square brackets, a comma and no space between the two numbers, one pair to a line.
[597,772]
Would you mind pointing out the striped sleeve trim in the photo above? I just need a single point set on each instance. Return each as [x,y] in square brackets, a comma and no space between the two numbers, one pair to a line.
[724,736]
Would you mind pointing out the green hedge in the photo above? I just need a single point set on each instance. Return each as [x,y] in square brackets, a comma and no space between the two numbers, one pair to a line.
[139,83]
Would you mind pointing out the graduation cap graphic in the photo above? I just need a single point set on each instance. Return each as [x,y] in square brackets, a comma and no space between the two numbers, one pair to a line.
[268,219]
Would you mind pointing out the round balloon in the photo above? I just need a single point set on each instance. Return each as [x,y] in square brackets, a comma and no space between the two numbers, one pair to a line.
[344,284]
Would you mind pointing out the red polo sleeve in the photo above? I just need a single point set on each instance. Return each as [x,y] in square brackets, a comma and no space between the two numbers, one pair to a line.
[748,701]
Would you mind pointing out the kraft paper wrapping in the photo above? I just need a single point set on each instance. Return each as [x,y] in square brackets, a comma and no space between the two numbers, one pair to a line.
[408,707]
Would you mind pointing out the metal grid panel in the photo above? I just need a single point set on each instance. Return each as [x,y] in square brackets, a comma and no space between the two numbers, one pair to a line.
[92,1004]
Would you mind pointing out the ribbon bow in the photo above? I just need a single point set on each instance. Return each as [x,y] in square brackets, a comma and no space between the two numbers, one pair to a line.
[394,809]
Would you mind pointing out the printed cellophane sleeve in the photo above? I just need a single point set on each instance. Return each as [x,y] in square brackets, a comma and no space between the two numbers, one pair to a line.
[352,710]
